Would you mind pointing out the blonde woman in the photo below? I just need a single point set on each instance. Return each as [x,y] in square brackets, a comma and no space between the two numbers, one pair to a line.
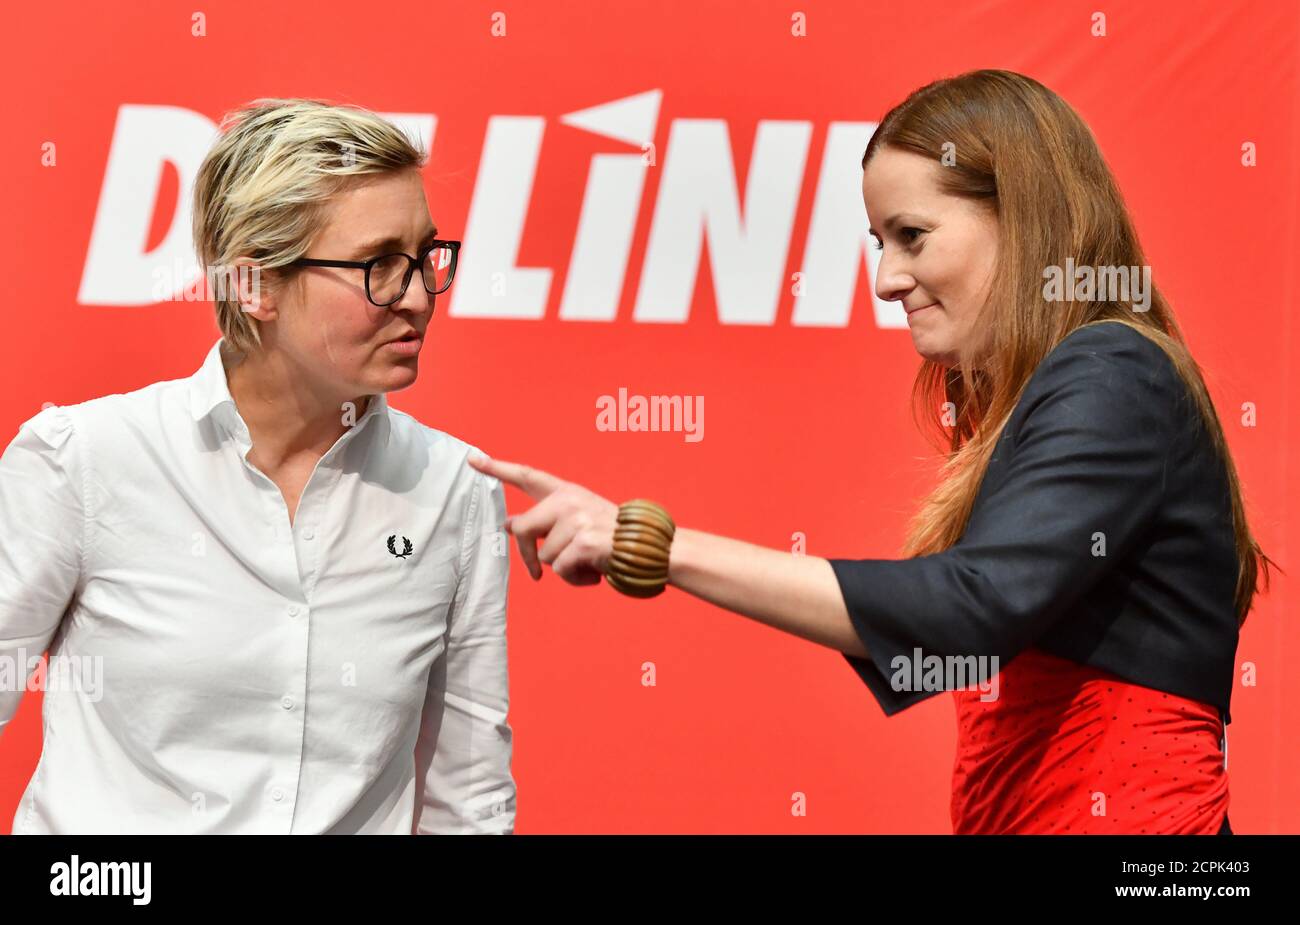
[287,588]
[1085,562]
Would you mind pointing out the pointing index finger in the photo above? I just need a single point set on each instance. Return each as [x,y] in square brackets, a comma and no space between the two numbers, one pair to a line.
[536,483]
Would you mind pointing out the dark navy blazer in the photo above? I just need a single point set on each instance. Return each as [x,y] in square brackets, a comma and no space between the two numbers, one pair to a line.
[1106,440]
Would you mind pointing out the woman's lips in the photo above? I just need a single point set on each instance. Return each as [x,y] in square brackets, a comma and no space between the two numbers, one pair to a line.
[408,347]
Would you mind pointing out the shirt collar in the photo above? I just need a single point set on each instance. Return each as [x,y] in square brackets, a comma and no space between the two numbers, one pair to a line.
[210,390]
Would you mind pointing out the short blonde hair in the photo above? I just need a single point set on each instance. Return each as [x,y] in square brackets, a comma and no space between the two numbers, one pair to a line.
[262,189]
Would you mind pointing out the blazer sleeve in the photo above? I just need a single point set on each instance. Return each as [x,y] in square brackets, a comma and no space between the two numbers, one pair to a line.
[1085,479]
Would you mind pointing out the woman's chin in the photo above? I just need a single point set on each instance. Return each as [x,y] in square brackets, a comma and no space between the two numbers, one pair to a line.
[399,374]
[935,353]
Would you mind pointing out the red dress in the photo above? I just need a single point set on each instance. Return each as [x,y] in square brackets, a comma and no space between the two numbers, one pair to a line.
[1069,749]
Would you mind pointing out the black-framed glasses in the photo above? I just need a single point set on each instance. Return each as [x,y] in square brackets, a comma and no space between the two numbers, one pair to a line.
[388,275]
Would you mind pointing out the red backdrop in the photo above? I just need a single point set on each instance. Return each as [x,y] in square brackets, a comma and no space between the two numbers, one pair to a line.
[808,428]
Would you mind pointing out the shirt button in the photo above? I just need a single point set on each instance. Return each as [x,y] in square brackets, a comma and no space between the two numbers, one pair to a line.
[286,702]
[277,794]
[293,610]
[308,534]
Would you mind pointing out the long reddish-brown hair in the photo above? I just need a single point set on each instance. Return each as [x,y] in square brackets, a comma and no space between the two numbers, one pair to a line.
[1022,152]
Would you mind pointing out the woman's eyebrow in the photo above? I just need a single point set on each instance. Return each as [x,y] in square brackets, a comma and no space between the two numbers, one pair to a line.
[893,220]
[392,241]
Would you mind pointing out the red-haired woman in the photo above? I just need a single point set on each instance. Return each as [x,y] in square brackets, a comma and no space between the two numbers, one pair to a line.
[1087,553]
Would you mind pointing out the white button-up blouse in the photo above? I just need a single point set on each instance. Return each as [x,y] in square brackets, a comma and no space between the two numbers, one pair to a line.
[215,669]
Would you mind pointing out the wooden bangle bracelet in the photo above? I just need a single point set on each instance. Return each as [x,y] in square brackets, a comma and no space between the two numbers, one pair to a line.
[638,564]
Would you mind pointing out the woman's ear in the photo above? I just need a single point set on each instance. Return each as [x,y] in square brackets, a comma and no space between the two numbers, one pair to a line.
[251,286]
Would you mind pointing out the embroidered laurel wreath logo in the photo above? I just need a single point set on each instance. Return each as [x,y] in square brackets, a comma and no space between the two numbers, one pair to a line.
[406,546]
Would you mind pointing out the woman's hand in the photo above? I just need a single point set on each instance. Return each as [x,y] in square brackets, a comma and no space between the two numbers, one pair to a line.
[797,594]
[576,524]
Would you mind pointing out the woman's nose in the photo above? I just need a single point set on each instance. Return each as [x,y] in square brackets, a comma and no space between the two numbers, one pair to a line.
[416,298]
[893,282]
